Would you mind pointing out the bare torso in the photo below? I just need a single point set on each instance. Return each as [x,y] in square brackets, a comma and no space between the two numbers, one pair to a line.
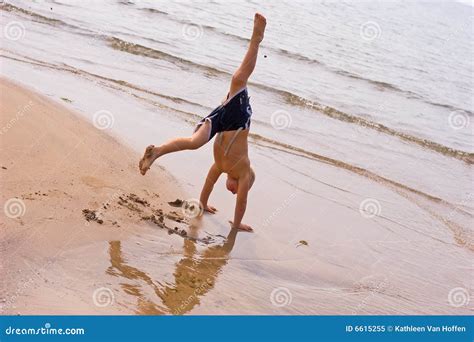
[236,161]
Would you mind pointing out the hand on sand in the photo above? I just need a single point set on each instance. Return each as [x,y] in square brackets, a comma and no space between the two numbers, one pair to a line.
[244,227]
[210,209]
[259,23]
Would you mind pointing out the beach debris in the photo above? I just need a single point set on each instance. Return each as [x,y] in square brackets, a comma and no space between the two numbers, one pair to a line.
[159,222]
[91,215]
[3,167]
[159,213]
[152,218]
[65,99]
[125,203]
[302,243]
[178,203]
[173,215]
[181,232]
[32,196]
[136,199]
[157,216]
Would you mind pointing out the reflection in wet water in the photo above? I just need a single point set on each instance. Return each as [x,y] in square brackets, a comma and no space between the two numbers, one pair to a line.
[194,276]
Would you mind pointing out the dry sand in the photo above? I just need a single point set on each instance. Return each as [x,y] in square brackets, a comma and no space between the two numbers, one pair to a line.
[58,172]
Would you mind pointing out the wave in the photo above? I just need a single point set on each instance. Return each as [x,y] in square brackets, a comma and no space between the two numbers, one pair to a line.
[451,108]
[254,137]
[462,235]
[379,84]
[388,86]
[35,16]
[289,54]
[283,52]
[310,60]
[342,116]
[141,50]
[290,98]
[126,2]
[184,21]
[343,165]
[154,10]
[77,71]
[294,99]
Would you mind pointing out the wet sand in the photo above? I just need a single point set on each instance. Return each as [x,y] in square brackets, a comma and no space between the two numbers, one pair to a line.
[90,235]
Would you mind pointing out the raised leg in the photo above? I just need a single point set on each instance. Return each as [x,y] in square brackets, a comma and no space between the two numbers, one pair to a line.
[199,138]
[242,74]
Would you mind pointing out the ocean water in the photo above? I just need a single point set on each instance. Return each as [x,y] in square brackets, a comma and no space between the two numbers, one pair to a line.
[379,93]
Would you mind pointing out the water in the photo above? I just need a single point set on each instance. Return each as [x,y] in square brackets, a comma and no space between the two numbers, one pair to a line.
[381,92]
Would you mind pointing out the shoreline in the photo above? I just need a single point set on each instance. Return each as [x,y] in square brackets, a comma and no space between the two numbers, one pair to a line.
[362,203]
[313,244]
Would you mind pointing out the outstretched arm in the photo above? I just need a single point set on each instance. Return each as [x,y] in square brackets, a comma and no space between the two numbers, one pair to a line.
[242,74]
[241,203]
[211,179]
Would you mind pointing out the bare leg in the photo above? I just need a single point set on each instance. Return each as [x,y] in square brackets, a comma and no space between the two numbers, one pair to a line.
[242,74]
[199,138]
[239,80]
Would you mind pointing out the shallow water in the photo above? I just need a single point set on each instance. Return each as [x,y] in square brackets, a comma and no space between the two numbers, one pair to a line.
[355,105]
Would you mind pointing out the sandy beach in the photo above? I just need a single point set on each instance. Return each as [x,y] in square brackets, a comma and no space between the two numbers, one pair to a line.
[54,166]
[361,141]
[133,252]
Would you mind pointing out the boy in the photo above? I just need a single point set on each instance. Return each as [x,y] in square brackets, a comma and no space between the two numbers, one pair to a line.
[231,121]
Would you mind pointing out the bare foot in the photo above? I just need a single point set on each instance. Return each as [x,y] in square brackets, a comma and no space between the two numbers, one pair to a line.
[210,209]
[243,227]
[259,23]
[148,158]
